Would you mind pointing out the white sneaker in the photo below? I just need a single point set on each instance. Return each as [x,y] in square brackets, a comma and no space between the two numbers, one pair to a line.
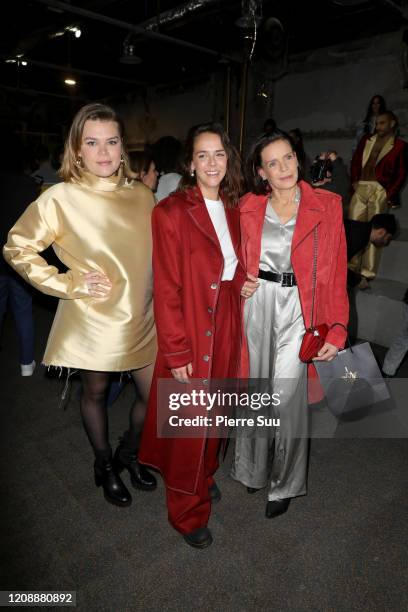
[27,370]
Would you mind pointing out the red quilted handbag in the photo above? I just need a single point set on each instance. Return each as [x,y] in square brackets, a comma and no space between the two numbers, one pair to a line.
[312,342]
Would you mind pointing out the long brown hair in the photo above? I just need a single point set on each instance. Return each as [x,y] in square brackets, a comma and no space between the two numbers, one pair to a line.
[231,186]
[70,170]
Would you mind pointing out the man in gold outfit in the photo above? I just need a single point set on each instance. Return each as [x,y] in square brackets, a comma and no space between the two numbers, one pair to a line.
[378,172]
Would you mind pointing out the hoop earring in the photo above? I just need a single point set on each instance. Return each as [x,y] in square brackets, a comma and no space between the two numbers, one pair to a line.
[78,161]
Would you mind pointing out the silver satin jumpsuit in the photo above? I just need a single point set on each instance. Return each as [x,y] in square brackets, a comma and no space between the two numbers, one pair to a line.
[274,326]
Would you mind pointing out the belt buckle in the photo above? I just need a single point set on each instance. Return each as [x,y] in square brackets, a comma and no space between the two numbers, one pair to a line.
[286,279]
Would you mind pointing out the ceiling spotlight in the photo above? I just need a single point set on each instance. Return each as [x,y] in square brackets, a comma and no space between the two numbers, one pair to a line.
[70,82]
[262,92]
[74,30]
[129,56]
[18,59]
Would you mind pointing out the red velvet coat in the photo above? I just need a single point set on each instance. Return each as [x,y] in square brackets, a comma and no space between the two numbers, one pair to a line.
[391,168]
[187,270]
[324,209]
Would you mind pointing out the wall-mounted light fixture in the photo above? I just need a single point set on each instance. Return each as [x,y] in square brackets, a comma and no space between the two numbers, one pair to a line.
[69,81]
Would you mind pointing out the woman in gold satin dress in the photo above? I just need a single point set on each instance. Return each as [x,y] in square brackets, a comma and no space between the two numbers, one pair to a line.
[98,222]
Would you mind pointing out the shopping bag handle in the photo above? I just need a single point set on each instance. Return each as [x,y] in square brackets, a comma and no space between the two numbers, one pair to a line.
[347,337]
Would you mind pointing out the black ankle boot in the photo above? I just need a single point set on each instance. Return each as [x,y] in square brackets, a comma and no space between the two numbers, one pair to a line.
[114,490]
[277,507]
[140,476]
[200,538]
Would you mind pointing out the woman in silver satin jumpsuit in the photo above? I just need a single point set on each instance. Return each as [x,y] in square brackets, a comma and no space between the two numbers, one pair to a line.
[272,214]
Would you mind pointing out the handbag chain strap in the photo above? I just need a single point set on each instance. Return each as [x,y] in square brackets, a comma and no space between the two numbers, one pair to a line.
[314,274]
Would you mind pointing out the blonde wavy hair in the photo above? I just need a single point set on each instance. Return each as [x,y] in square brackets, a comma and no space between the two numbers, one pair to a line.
[70,169]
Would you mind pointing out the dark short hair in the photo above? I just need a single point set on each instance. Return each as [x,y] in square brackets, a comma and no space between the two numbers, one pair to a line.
[390,115]
[231,186]
[166,153]
[385,221]
[269,125]
[254,160]
[140,161]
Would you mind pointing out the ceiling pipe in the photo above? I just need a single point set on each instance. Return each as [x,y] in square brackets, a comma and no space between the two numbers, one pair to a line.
[401,9]
[84,72]
[137,29]
[38,92]
[70,69]
[175,14]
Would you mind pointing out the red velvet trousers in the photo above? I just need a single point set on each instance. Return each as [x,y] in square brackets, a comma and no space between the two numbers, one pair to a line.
[190,512]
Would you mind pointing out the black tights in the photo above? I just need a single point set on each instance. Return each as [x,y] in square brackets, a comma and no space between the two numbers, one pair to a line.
[94,412]
[93,408]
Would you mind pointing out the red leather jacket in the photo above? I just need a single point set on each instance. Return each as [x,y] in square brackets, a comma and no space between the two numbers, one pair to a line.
[323,209]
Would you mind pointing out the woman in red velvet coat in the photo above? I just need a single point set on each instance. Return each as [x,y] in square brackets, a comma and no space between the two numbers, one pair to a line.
[198,277]
[283,223]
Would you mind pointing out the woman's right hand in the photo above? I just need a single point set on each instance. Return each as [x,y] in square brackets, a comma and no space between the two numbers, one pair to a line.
[250,286]
[182,374]
[98,284]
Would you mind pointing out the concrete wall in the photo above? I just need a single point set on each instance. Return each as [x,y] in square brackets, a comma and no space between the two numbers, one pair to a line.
[173,111]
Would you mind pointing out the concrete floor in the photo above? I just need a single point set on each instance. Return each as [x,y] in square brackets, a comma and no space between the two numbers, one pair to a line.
[343,547]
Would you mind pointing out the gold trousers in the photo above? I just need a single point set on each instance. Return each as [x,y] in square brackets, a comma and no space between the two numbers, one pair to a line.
[369,199]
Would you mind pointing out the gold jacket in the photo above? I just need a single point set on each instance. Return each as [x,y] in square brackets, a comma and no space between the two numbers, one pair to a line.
[97,224]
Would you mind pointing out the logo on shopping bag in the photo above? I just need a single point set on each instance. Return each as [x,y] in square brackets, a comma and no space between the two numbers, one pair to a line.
[349,375]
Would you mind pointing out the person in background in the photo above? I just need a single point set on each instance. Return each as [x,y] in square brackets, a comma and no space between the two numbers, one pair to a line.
[46,173]
[17,191]
[367,126]
[99,223]
[291,234]
[359,234]
[329,172]
[399,346]
[166,153]
[269,125]
[302,157]
[144,167]
[378,172]
[198,276]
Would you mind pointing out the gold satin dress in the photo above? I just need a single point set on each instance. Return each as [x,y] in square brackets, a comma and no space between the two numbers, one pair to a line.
[100,224]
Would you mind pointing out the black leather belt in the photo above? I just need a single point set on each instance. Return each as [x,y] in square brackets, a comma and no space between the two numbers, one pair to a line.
[286,279]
